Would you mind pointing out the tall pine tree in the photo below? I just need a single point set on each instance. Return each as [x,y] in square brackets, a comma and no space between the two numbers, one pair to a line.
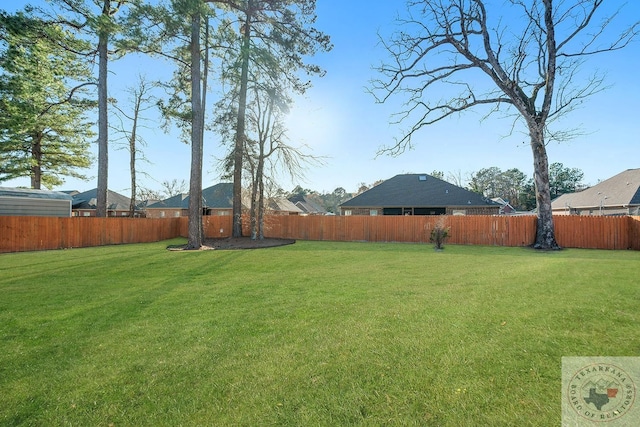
[44,131]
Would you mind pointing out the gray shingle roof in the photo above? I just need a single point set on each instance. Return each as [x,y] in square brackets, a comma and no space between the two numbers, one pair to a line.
[620,190]
[87,200]
[283,205]
[179,201]
[219,196]
[306,205]
[417,190]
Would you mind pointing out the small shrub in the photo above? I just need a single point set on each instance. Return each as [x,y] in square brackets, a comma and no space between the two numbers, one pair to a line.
[439,234]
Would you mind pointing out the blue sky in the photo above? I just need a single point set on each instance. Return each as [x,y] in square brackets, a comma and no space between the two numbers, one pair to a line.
[339,120]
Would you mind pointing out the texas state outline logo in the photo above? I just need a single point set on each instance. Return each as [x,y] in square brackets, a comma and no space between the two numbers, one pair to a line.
[600,390]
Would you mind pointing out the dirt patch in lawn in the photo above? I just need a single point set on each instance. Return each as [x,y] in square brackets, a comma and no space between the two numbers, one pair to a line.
[230,243]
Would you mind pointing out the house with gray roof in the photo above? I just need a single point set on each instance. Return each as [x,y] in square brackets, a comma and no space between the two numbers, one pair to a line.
[505,206]
[174,206]
[84,204]
[216,200]
[282,206]
[307,206]
[618,195]
[418,194]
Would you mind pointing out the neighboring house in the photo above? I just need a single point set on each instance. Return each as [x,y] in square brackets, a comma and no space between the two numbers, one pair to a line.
[84,204]
[27,202]
[174,206]
[142,204]
[505,207]
[216,200]
[282,206]
[418,194]
[307,206]
[618,195]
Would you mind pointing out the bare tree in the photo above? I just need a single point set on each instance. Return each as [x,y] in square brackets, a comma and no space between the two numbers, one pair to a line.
[141,100]
[455,177]
[174,187]
[267,151]
[531,68]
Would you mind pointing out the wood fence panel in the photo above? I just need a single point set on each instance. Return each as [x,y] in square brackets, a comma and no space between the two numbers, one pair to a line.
[218,226]
[634,233]
[313,228]
[594,232]
[42,233]
[352,227]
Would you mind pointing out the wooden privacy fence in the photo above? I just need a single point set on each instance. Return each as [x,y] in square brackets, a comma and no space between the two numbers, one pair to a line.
[40,233]
[23,233]
[590,232]
[464,230]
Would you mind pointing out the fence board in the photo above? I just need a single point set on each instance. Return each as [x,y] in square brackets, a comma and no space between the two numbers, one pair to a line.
[634,233]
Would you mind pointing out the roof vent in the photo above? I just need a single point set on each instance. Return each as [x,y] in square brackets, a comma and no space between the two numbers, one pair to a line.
[422,177]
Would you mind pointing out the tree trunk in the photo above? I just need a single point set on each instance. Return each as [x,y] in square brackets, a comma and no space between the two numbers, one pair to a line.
[260,183]
[261,211]
[545,234]
[103,124]
[203,107]
[132,159]
[36,168]
[253,212]
[195,185]
[240,127]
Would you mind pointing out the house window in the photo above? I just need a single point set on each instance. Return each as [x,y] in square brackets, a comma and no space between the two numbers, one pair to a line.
[86,213]
[347,212]
[161,214]
[373,212]
[176,214]
[429,211]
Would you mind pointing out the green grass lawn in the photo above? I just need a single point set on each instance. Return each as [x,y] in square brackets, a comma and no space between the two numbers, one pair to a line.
[311,334]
